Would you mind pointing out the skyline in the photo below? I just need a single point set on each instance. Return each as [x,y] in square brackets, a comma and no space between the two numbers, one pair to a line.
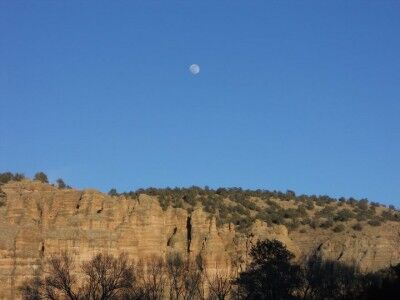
[291,96]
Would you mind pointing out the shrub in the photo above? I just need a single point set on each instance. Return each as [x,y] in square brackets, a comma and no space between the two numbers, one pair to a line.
[8,176]
[363,204]
[310,205]
[375,222]
[113,192]
[352,201]
[316,222]
[389,215]
[326,212]
[42,177]
[344,215]
[61,184]
[327,224]
[357,227]
[338,228]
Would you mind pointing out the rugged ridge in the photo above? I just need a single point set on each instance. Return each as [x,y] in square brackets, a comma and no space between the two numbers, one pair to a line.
[38,220]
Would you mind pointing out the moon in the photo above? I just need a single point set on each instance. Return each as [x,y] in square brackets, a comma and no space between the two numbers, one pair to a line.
[194,69]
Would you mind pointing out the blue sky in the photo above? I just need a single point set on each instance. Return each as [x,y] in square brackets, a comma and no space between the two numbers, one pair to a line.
[300,95]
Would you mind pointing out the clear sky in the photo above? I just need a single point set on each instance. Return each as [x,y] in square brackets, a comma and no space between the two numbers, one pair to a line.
[301,95]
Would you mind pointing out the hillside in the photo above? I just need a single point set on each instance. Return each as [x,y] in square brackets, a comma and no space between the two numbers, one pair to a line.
[38,219]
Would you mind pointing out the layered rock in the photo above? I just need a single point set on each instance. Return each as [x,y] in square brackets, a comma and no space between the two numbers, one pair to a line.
[38,220]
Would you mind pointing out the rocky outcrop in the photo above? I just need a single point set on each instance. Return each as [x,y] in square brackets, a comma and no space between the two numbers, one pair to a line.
[38,220]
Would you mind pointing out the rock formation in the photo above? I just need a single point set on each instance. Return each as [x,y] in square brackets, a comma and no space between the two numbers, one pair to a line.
[38,220]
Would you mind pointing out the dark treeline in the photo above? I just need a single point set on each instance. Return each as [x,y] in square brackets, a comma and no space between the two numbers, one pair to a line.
[272,274]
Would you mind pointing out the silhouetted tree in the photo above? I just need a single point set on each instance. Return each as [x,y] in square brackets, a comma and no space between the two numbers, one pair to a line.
[61,184]
[108,277]
[383,285]
[326,279]
[151,279]
[185,278]
[113,192]
[270,274]
[60,282]
[219,285]
[8,176]
[42,177]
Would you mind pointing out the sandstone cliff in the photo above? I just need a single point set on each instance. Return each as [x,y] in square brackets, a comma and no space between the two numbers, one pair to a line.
[38,219]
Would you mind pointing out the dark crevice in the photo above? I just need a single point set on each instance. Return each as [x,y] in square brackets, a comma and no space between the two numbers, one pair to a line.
[42,250]
[78,204]
[99,211]
[340,255]
[189,232]
[170,238]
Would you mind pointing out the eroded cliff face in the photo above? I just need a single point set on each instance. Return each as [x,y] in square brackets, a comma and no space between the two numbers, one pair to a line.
[39,220]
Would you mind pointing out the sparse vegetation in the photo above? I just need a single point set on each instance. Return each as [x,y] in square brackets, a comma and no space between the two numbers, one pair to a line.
[242,207]
[8,176]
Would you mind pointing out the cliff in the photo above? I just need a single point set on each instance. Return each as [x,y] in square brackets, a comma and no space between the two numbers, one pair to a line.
[38,220]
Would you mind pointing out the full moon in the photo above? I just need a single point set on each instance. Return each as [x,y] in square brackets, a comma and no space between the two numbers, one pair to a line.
[194,69]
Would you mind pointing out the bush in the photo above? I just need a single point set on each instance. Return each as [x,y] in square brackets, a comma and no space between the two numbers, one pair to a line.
[327,224]
[375,222]
[326,212]
[61,184]
[113,192]
[8,176]
[338,228]
[363,204]
[344,215]
[310,205]
[357,227]
[42,177]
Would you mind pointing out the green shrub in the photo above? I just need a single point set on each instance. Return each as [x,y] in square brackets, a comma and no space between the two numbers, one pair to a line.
[338,228]
[326,212]
[375,222]
[344,215]
[8,176]
[363,204]
[42,177]
[113,192]
[61,184]
[310,205]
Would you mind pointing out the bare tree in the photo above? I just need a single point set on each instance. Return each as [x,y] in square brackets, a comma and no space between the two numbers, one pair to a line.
[219,285]
[107,276]
[175,270]
[185,278]
[59,280]
[151,279]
